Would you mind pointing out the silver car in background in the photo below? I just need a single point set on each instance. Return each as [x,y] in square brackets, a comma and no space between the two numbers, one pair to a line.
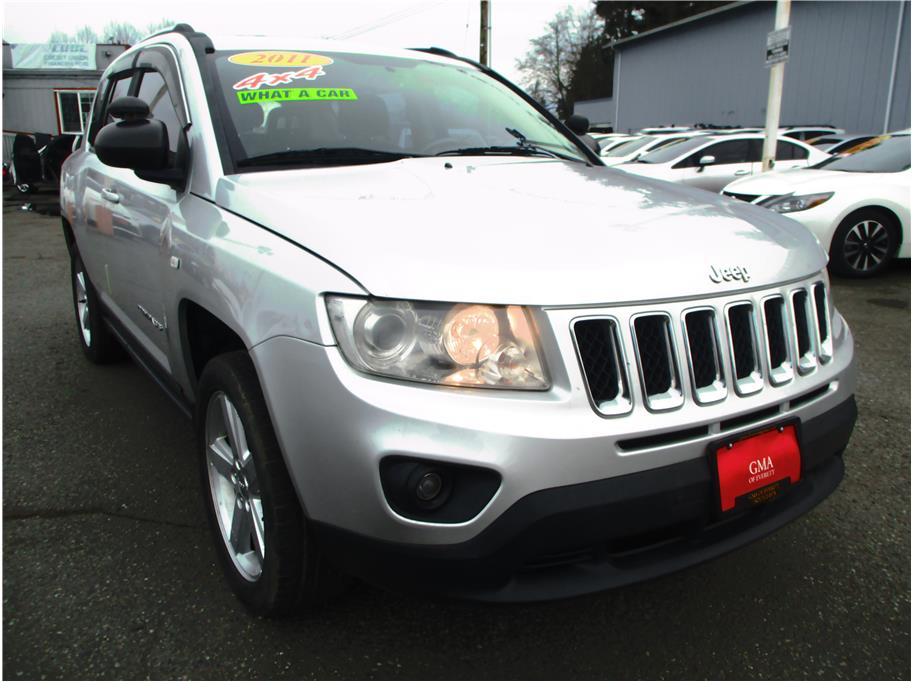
[428,339]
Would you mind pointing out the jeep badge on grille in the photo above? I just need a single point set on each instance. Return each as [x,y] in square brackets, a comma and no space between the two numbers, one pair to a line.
[728,274]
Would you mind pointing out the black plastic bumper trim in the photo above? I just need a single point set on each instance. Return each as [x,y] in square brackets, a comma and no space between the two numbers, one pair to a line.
[611,533]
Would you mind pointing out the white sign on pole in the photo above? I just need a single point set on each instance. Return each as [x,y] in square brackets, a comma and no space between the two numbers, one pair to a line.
[777,46]
[54,56]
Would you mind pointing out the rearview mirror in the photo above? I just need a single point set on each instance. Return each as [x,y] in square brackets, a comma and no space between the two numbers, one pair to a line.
[707,160]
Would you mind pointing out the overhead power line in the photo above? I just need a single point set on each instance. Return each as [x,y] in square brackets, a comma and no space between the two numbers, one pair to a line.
[406,13]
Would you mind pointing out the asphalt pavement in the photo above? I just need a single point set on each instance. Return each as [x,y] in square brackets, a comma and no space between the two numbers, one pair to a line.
[109,572]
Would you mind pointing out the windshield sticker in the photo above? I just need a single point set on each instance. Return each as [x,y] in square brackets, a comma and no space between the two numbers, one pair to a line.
[259,79]
[279,59]
[296,95]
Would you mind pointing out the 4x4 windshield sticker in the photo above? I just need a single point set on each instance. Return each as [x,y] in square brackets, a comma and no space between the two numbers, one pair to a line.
[296,95]
[259,79]
[272,58]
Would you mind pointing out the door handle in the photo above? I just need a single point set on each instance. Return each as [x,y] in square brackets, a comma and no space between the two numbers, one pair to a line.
[109,195]
[741,172]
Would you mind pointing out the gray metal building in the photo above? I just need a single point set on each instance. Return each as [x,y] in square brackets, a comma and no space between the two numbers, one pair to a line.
[848,66]
[50,101]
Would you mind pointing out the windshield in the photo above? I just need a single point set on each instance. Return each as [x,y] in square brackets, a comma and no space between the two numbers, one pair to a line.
[882,154]
[296,108]
[673,151]
[630,146]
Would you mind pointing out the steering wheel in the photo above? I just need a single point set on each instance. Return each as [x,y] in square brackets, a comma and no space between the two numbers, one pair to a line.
[441,145]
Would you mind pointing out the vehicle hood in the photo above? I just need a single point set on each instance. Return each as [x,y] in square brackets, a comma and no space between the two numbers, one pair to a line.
[521,231]
[795,181]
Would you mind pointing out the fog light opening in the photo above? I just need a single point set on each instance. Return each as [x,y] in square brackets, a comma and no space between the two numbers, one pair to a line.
[428,488]
[430,485]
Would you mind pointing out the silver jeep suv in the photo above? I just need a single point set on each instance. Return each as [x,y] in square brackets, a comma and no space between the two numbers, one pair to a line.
[428,339]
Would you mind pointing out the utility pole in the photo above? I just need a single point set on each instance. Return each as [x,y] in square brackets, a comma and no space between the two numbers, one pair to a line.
[484,51]
[777,45]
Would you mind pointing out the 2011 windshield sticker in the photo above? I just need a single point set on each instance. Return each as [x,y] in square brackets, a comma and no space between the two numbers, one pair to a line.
[258,80]
[270,58]
[296,95]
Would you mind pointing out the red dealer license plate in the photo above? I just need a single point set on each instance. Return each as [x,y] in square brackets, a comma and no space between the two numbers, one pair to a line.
[757,469]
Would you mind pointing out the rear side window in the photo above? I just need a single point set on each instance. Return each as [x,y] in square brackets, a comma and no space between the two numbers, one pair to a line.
[154,92]
[727,152]
[786,151]
[849,144]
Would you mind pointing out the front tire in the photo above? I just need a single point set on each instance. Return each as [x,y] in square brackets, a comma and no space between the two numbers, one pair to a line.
[864,244]
[259,529]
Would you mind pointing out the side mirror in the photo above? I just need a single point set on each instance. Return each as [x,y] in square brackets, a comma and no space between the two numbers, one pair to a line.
[141,145]
[578,124]
[129,108]
[704,161]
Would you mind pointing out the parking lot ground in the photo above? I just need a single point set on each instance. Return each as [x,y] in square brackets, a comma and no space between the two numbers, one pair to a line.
[108,569]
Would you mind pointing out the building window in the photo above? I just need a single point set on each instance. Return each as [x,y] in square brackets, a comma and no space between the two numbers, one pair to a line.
[73,108]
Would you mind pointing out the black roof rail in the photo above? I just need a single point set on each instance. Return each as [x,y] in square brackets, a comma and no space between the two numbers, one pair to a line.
[438,51]
[184,29]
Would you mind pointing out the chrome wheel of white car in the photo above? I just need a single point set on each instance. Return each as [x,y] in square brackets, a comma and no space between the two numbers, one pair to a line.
[864,244]
[236,497]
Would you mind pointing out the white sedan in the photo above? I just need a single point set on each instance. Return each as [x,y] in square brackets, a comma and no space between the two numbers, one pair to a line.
[635,147]
[857,205]
[712,161]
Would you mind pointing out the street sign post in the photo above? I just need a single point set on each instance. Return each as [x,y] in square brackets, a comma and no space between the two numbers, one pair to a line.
[777,46]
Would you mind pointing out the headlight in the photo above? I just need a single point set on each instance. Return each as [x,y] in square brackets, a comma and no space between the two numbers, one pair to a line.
[792,203]
[481,346]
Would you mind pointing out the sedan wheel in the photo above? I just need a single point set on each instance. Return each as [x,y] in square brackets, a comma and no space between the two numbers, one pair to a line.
[864,244]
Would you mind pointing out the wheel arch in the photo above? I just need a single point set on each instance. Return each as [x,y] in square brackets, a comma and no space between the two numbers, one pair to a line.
[69,237]
[888,212]
[203,336]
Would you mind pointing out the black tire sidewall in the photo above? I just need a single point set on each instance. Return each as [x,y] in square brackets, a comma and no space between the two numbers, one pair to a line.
[838,262]
[275,591]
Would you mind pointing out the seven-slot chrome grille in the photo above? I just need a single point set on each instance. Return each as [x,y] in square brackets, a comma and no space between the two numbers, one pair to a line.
[734,347]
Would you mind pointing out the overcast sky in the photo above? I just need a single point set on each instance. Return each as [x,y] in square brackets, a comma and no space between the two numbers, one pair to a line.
[451,24]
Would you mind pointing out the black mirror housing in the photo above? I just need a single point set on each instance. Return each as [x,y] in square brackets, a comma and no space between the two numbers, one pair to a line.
[130,108]
[578,124]
[141,144]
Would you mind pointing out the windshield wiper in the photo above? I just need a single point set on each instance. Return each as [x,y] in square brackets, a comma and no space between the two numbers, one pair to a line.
[325,155]
[521,148]
[494,149]
[523,143]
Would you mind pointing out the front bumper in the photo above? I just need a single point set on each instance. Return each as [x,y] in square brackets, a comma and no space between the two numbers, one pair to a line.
[574,540]
[336,427]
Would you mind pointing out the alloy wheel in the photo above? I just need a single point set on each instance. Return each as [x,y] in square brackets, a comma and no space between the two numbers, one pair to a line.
[866,245]
[236,495]
[82,308]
